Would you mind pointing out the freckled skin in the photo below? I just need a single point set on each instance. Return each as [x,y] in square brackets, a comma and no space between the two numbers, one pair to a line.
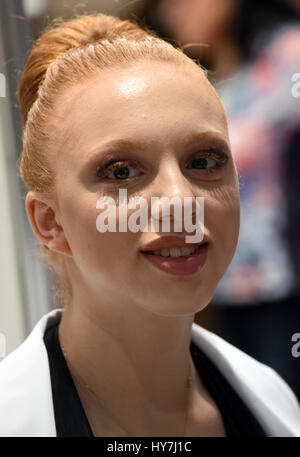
[119,299]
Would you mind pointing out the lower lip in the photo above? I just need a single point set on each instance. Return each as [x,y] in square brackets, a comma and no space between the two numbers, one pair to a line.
[181,266]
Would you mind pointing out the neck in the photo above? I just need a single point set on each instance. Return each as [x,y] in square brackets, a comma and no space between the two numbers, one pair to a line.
[136,363]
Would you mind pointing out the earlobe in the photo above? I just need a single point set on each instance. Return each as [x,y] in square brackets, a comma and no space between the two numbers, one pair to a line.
[60,244]
[42,218]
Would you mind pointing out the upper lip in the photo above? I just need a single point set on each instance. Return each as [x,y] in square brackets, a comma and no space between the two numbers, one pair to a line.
[171,241]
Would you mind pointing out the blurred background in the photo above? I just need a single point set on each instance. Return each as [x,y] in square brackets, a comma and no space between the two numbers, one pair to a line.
[252,51]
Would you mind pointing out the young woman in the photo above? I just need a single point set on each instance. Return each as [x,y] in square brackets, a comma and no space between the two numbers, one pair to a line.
[254,54]
[106,106]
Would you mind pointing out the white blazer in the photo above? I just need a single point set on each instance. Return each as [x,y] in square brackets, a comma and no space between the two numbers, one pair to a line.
[26,404]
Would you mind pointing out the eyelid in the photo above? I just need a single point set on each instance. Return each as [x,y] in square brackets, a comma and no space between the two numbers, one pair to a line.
[212,153]
[217,154]
[113,163]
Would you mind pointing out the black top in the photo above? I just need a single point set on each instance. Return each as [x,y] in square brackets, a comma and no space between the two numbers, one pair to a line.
[70,417]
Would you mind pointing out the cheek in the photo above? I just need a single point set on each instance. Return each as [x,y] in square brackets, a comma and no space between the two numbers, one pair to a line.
[79,213]
[94,252]
[222,220]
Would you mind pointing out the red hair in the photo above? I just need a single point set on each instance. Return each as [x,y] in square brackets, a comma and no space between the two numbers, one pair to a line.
[63,55]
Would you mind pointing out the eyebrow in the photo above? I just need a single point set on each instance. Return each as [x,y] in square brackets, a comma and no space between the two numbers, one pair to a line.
[126,145]
[208,135]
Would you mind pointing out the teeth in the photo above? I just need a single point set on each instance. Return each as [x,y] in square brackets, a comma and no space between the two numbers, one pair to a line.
[186,250]
[163,252]
[176,252]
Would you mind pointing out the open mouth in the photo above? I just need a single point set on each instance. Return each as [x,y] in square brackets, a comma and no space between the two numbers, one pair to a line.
[179,261]
[175,252]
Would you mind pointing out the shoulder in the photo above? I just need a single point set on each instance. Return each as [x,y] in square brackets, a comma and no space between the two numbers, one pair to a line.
[263,390]
[26,407]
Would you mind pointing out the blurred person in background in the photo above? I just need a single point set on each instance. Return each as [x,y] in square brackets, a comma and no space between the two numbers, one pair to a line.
[252,48]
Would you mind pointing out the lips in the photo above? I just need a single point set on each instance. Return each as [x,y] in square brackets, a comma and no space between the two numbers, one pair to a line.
[178,266]
[171,241]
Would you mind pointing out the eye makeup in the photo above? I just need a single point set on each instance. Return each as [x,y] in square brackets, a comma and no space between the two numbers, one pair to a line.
[113,164]
[219,156]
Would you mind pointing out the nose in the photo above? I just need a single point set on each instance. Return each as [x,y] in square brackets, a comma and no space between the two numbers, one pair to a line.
[173,196]
[170,182]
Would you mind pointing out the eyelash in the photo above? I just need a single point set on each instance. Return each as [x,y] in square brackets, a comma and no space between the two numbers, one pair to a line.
[220,157]
[112,165]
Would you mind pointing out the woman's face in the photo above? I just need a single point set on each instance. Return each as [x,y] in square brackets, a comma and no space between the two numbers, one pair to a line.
[164,118]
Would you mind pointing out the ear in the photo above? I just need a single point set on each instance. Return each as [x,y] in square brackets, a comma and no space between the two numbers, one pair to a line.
[43,220]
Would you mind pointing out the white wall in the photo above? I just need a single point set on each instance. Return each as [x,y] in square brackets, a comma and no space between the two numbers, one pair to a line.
[12,318]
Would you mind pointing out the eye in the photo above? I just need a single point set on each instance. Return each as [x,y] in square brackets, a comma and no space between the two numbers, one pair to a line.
[122,172]
[209,161]
[118,170]
[203,163]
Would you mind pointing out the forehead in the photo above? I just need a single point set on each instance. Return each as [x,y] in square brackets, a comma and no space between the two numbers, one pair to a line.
[150,101]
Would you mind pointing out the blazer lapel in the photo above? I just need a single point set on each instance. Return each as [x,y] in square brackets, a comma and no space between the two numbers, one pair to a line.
[265,393]
[26,404]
